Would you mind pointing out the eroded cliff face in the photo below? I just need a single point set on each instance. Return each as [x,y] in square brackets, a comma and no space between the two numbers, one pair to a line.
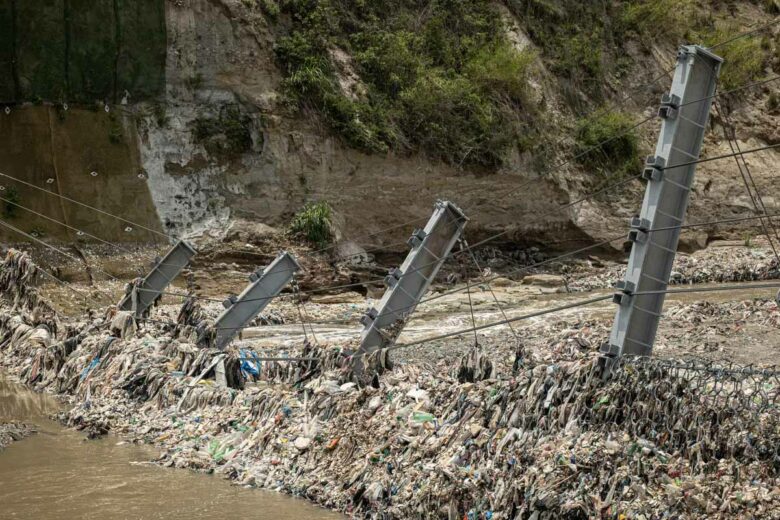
[218,145]
[220,59]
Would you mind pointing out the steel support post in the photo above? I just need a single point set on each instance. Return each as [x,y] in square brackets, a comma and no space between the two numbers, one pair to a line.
[407,284]
[265,285]
[165,270]
[684,113]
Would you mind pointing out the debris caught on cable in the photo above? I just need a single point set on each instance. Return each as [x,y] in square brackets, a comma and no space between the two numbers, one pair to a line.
[545,438]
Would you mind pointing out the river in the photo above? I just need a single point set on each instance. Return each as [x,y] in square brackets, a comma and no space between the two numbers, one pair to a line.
[57,473]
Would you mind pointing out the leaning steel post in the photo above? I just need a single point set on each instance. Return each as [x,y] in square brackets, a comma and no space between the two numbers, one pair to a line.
[685,112]
[407,284]
[265,285]
[140,297]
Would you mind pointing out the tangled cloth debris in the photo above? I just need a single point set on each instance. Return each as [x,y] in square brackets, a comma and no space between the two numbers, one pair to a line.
[713,265]
[18,279]
[554,439]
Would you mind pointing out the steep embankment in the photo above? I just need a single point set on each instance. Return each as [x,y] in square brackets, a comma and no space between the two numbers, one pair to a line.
[247,109]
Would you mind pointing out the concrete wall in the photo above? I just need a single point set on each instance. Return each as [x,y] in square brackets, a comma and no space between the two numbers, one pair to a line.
[58,151]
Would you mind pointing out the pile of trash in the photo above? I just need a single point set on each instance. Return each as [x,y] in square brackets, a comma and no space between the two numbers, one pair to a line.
[495,258]
[549,438]
[711,265]
[11,432]
[553,442]
[18,279]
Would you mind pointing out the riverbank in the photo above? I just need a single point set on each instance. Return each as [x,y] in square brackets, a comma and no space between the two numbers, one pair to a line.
[12,432]
[509,430]
[58,474]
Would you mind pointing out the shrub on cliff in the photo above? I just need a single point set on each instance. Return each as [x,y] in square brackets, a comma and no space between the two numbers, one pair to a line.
[744,59]
[313,223]
[439,78]
[608,143]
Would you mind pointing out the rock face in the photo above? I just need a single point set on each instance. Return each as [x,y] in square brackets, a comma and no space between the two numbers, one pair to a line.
[289,160]
[210,141]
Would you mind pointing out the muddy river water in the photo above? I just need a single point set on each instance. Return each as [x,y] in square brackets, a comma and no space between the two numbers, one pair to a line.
[58,474]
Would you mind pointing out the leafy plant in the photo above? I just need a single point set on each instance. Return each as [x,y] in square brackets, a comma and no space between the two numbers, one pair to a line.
[437,109]
[313,222]
[743,59]
[502,70]
[672,18]
[573,39]
[270,8]
[440,78]
[610,140]
[580,58]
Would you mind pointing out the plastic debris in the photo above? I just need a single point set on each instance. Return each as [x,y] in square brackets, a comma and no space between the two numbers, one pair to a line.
[546,437]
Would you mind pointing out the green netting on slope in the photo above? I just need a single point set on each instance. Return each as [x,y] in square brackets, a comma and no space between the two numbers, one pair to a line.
[40,48]
[92,51]
[6,52]
[82,50]
[141,62]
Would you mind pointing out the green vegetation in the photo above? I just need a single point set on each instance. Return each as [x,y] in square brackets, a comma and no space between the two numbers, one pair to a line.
[439,77]
[619,153]
[672,18]
[270,8]
[313,223]
[773,101]
[12,198]
[744,60]
[226,135]
[579,59]
[575,39]
[583,43]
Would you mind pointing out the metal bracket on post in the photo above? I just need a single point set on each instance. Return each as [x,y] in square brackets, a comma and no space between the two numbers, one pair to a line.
[685,112]
[142,296]
[407,284]
[265,285]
